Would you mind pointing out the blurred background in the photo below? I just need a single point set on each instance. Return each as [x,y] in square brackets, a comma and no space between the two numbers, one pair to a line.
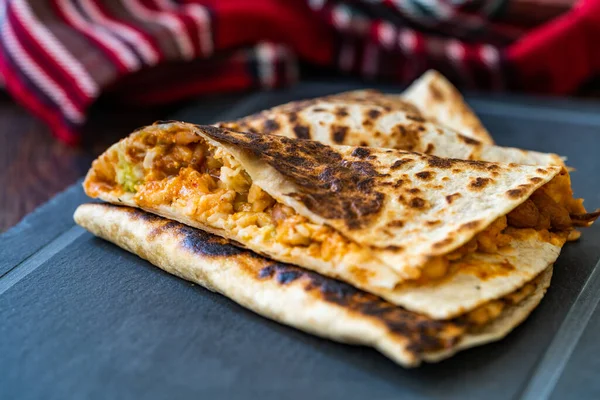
[76,75]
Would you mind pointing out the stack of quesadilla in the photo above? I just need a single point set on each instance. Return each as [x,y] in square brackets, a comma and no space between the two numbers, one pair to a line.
[398,246]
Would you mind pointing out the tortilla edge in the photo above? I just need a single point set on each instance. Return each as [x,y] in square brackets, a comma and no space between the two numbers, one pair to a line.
[348,331]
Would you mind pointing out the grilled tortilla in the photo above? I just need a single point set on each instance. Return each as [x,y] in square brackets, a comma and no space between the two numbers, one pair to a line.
[370,118]
[304,299]
[441,102]
[436,236]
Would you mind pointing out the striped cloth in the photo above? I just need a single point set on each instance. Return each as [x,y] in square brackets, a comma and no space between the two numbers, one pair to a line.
[58,56]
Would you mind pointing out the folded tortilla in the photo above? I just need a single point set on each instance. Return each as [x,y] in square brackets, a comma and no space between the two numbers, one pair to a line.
[370,118]
[300,298]
[441,102]
[427,233]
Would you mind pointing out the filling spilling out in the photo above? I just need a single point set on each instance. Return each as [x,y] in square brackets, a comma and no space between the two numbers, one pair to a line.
[177,168]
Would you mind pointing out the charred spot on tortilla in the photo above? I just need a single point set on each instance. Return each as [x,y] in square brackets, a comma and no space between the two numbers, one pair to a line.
[293,117]
[341,112]
[433,222]
[469,140]
[204,243]
[417,202]
[373,113]
[318,109]
[470,225]
[302,131]
[367,123]
[364,144]
[430,148]
[266,272]
[436,92]
[399,163]
[161,228]
[536,179]
[338,133]
[415,118]
[196,240]
[304,163]
[288,276]
[396,224]
[270,126]
[423,333]
[414,190]
[425,175]
[361,152]
[451,197]
[479,183]
[394,248]
[442,243]
[515,193]
[442,163]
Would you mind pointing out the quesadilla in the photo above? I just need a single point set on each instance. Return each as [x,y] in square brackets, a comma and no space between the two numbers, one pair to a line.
[370,118]
[441,102]
[300,298]
[437,236]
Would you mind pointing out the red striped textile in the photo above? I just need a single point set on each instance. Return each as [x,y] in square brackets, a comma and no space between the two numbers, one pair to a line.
[58,56]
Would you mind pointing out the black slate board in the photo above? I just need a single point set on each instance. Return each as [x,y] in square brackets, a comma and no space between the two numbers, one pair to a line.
[81,318]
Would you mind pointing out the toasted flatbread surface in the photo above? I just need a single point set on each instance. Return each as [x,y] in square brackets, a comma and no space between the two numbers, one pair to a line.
[440,101]
[387,211]
[370,118]
[295,296]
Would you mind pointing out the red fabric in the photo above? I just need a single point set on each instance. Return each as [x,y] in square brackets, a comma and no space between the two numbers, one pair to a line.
[557,57]
[58,56]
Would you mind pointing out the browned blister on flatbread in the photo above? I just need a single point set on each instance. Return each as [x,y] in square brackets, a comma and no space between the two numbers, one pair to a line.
[371,118]
[406,226]
[441,102]
[301,298]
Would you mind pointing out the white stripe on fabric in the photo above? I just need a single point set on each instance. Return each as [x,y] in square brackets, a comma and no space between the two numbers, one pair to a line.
[386,33]
[491,58]
[61,56]
[172,23]
[266,56]
[126,33]
[122,52]
[456,54]
[3,7]
[38,76]
[407,41]
[201,16]
[341,17]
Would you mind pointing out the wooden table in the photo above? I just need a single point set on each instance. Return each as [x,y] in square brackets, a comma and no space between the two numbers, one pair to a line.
[34,166]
